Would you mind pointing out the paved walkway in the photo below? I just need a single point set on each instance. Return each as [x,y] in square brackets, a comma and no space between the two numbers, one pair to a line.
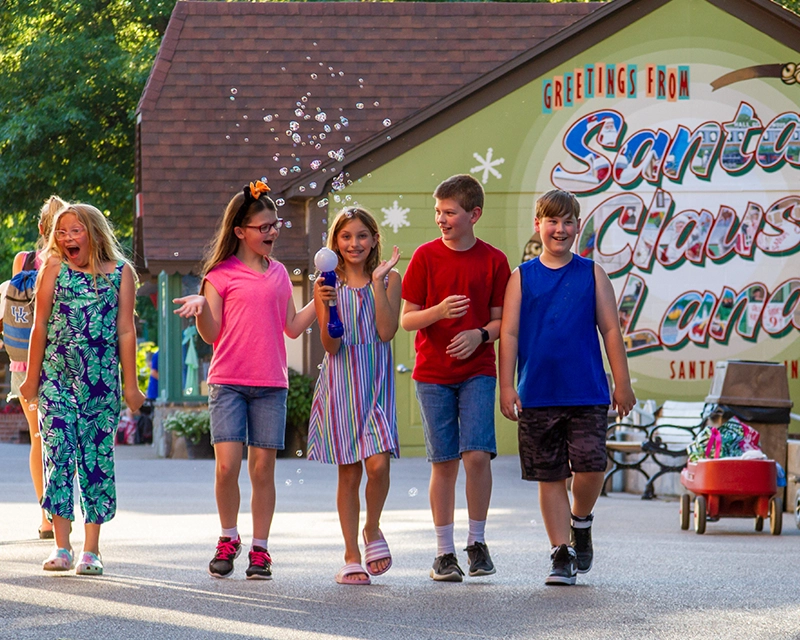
[650,580]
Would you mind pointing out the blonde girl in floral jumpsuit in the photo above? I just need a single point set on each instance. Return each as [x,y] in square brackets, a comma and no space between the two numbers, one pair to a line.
[83,334]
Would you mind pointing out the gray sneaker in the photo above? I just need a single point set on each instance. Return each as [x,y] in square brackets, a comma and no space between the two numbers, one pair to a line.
[563,567]
[480,562]
[446,569]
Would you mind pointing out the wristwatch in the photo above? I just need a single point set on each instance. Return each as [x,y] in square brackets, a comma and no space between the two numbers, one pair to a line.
[484,334]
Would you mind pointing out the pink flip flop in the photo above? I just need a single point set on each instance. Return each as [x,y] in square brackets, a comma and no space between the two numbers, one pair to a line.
[346,573]
[375,551]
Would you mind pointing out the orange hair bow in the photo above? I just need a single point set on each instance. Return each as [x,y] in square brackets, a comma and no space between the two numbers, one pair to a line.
[258,189]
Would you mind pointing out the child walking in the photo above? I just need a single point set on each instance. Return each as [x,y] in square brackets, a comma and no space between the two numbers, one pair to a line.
[244,307]
[83,334]
[453,291]
[353,416]
[554,306]
[26,261]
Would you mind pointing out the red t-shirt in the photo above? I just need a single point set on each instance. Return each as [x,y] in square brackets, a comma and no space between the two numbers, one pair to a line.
[436,272]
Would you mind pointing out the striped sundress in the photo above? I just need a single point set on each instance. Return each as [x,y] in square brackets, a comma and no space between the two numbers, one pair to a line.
[353,414]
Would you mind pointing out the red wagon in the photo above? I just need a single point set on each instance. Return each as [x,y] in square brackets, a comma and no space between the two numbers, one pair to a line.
[731,487]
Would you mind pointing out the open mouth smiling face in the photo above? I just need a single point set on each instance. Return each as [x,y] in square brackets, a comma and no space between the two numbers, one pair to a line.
[73,240]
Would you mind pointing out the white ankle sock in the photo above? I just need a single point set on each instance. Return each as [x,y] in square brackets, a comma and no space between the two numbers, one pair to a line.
[259,543]
[233,534]
[444,539]
[477,532]
[582,522]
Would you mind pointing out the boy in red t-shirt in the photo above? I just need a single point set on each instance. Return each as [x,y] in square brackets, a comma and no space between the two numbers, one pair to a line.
[453,297]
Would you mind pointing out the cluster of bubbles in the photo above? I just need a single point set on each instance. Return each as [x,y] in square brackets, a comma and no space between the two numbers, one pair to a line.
[304,112]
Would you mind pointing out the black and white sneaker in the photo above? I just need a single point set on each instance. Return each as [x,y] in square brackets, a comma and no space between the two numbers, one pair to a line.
[563,568]
[480,562]
[446,569]
[580,539]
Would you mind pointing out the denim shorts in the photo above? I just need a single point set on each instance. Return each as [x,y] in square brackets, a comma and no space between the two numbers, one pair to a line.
[253,415]
[458,417]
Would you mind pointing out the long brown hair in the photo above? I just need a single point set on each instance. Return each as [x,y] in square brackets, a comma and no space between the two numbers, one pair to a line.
[342,218]
[225,242]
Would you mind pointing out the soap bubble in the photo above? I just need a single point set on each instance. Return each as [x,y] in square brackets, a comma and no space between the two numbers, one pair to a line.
[387,123]
[276,157]
[267,118]
[227,137]
[232,98]
[299,471]
[313,76]
[244,117]
[321,116]
[344,121]
[376,103]
[301,189]
[300,481]
[299,453]
[322,203]
[288,483]
[176,254]
[297,272]
[359,105]
[361,80]
[313,185]
[299,113]
[247,139]
[347,138]
[309,330]
[294,126]
[315,164]
[412,492]
[283,171]
[296,137]
[312,277]
[288,223]
[327,128]
[280,202]
[234,90]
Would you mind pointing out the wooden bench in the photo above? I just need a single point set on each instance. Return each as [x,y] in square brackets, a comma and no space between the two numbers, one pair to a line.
[664,440]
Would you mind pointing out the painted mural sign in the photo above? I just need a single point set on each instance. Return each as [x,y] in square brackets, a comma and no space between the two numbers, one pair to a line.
[690,195]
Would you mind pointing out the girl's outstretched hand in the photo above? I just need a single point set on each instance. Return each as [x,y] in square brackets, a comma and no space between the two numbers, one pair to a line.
[190,306]
[386,266]
[134,398]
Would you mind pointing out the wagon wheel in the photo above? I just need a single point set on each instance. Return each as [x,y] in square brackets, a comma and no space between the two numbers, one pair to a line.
[775,516]
[686,511]
[700,514]
[797,508]
[759,523]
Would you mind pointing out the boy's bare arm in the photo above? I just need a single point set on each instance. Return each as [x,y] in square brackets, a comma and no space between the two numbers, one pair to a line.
[608,323]
[414,317]
[510,403]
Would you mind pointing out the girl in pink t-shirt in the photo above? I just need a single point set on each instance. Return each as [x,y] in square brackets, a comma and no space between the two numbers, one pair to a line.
[244,307]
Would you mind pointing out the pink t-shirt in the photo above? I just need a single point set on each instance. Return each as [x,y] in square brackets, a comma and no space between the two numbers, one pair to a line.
[250,350]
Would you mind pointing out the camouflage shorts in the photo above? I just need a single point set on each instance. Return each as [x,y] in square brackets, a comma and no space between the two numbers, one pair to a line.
[556,441]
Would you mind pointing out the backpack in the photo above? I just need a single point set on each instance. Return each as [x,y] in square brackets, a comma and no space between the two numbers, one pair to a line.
[18,314]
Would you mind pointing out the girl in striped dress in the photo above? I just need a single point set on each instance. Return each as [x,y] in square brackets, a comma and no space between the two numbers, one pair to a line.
[353,416]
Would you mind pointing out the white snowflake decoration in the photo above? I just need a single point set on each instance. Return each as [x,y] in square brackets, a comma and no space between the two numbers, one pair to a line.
[395,217]
[487,165]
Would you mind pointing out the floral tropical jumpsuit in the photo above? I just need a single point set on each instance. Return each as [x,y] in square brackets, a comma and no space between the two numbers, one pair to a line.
[79,395]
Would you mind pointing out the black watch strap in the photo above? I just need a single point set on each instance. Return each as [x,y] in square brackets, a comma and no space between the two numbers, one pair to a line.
[484,334]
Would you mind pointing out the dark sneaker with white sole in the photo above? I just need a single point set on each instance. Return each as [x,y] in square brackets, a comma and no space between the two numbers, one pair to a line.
[446,569]
[480,562]
[563,567]
[581,541]
[227,551]
[260,564]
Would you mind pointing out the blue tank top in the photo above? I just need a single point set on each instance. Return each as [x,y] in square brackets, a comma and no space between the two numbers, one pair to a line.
[559,357]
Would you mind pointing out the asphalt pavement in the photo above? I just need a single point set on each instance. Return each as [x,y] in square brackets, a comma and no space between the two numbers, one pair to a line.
[650,579]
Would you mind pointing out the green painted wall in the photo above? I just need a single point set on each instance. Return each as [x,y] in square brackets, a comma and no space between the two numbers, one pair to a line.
[690,33]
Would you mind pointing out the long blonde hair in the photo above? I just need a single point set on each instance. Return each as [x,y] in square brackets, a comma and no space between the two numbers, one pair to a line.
[49,209]
[225,242]
[342,218]
[103,244]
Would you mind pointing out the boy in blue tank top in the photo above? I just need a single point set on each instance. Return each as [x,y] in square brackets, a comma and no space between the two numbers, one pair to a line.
[561,402]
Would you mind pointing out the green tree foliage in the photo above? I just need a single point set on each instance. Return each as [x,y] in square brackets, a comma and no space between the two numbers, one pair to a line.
[71,74]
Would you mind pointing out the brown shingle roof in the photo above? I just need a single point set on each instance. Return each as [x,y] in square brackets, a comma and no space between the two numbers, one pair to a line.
[230,78]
